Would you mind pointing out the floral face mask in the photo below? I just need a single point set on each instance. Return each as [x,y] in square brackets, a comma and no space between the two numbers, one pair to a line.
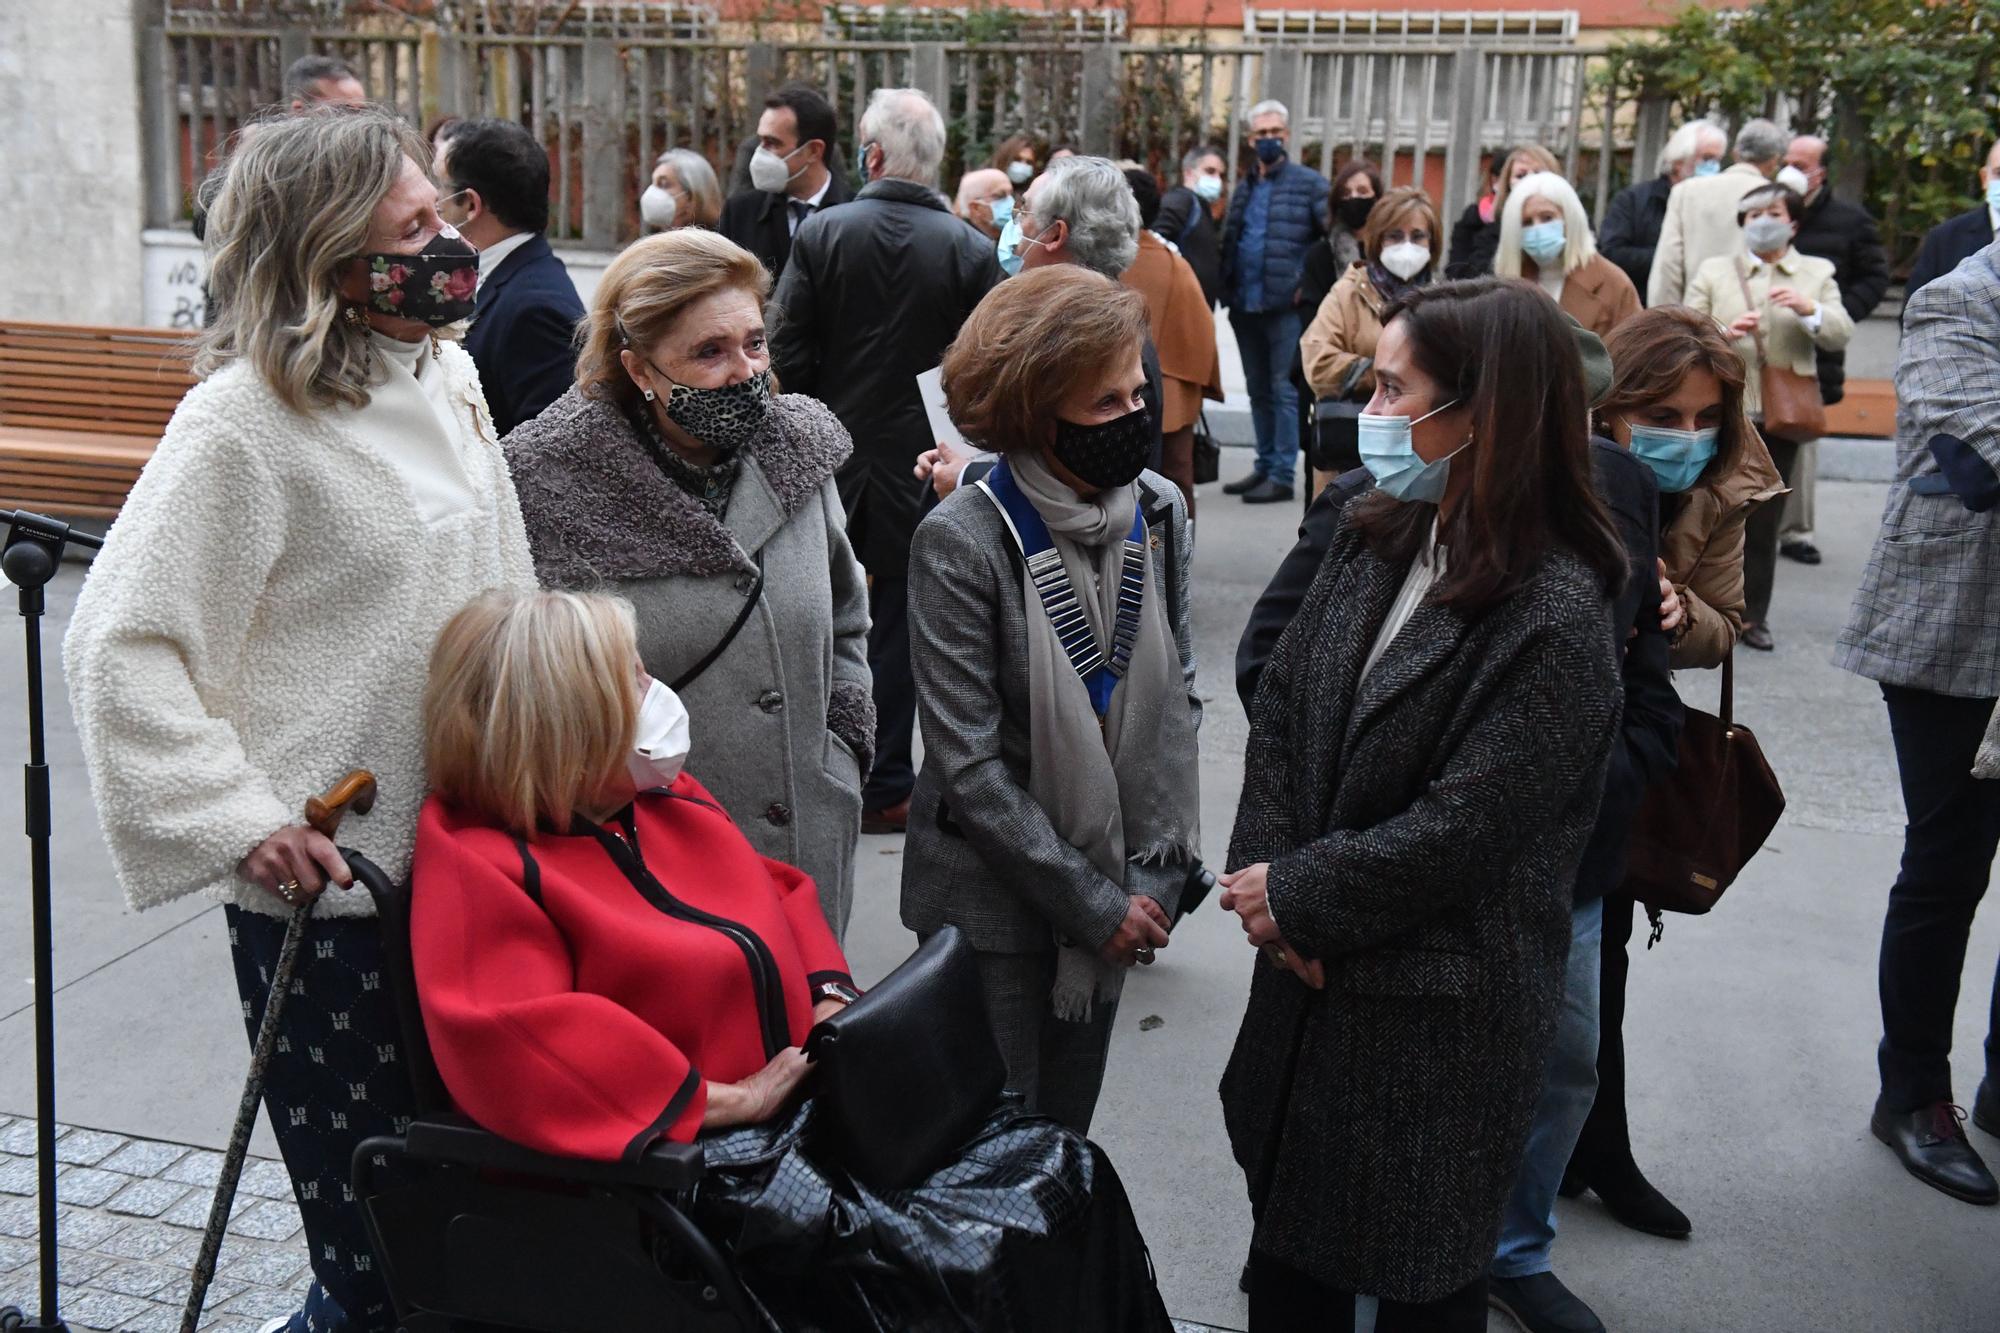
[435,285]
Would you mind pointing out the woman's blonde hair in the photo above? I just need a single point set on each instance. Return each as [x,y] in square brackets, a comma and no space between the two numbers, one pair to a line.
[643,294]
[1543,159]
[296,205]
[1028,344]
[532,706]
[1578,244]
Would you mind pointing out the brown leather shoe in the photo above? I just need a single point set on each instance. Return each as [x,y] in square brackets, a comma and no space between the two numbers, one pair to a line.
[894,819]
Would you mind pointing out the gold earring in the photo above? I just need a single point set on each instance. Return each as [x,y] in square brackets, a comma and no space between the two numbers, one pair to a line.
[352,314]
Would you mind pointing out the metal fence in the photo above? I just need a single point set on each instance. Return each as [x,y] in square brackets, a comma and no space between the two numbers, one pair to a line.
[606,98]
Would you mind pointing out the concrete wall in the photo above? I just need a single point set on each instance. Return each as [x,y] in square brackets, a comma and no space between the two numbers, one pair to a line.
[69,136]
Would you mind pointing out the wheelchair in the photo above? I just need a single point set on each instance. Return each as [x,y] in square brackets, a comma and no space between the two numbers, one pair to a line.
[479,1235]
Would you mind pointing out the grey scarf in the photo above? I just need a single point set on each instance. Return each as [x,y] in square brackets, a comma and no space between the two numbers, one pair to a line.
[1127,790]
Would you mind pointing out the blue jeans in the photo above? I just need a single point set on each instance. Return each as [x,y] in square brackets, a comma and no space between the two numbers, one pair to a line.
[1528,1225]
[1267,343]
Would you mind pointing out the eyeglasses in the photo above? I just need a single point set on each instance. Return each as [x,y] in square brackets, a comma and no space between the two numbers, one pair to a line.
[1266,134]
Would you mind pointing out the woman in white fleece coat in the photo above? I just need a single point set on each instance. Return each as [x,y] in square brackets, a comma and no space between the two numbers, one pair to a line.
[260,619]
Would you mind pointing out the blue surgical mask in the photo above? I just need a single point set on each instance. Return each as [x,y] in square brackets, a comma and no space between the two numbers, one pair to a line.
[1993,193]
[1390,457]
[1543,241]
[1209,189]
[1003,211]
[1677,457]
[1708,166]
[1009,245]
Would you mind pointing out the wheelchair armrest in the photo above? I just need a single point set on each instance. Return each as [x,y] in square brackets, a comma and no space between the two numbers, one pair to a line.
[455,1139]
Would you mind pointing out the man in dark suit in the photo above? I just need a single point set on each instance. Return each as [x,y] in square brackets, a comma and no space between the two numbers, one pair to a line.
[496,192]
[790,176]
[1956,240]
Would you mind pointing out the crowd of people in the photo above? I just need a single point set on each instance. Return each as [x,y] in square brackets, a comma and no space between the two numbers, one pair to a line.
[635,610]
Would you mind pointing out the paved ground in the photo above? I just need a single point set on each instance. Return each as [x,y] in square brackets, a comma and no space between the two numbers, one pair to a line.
[1751,1031]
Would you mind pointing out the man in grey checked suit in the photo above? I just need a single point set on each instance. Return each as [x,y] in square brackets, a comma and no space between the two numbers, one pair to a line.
[1926,624]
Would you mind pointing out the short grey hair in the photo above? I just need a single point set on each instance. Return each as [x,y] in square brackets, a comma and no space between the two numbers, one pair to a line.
[1192,159]
[697,177]
[906,126]
[1270,106]
[1091,197]
[1760,141]
[1686,142]
[305,74]
[298,203]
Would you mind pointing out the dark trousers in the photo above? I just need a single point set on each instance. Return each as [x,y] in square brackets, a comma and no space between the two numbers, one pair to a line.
[1056,1065]
[1604,1149]
[1760,537]
[1284,1300]
[335,1079]
[1952,825]
[894,774]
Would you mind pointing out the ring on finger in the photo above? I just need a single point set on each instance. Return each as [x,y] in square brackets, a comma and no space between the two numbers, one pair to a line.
[1145,955]
[289,891]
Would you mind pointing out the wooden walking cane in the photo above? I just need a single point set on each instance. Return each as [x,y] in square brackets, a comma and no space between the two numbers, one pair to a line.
[354,792]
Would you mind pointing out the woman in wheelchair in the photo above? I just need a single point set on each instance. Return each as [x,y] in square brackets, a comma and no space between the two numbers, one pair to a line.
[602,961]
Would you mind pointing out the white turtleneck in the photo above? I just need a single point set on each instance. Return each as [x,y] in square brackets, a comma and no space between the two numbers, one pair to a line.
[413,424]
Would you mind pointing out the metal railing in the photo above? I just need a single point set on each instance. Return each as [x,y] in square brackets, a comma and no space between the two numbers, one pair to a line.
[606,100]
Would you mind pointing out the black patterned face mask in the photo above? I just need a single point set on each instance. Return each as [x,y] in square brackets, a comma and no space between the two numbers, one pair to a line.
[1107,455]
[723,419]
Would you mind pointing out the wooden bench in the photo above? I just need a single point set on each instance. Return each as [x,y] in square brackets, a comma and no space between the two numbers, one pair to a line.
[80,411]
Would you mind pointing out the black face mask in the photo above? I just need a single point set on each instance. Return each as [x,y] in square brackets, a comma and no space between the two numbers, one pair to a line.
[1354,213]
[435,285]
[1109,455]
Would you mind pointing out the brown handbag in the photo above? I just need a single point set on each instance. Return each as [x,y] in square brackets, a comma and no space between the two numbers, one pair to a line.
[1699,826]
[1793,409]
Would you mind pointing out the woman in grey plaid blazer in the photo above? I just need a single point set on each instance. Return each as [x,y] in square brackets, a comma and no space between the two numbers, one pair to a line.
[1054,820]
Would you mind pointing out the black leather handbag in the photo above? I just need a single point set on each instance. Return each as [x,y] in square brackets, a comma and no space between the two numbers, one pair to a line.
[905,1075]
[1336,436]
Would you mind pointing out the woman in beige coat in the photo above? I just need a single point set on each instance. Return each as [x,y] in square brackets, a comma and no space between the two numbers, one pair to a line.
[1773,295]
[1399,254]
[1545,237]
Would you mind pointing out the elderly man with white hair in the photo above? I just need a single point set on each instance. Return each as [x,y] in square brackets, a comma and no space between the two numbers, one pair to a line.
[874,292]
[1701,221]
[985,200]
[1081,211]
[1631,230]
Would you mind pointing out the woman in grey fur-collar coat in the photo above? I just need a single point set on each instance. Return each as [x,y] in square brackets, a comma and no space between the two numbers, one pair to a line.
[782,721]
[1427,753]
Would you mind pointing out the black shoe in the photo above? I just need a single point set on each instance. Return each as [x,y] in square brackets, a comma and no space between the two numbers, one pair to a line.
[1803,552]
[1631,1199]
[1244,484]
[1756,636]
[1986,1106]
[1540,1303]
[1933,1148]
[1573,1185]
[1267,492]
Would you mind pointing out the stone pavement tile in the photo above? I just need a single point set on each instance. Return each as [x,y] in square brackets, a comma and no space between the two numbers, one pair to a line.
[100,1309]
[80,1265]
[267,1221]
[85,1230]
[15,1253]
[147,1198]
[20,1137]
[132,1278]
[275,1269]
[157,1318]
[230,1324]
[142,1157]
[260,1303]
[192,1211]
[200,1168]
[220,1291]
[17,1217]
[87,1147]
[18,1175]
[266,1180]
[142,1240]
[87,1187]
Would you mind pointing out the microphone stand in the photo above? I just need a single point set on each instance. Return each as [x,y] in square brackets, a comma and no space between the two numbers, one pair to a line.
[30,559]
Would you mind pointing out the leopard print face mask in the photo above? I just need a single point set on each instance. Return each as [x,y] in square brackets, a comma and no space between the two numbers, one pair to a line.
[725,418]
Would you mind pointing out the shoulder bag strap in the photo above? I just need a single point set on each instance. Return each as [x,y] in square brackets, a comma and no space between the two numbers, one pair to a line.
[750,600]
[1729,689]
[1750,303]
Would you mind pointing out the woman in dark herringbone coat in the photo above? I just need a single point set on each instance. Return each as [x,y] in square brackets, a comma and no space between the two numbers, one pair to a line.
[1427,751]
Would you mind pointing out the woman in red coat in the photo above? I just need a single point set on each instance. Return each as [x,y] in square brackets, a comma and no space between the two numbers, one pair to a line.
[602,960]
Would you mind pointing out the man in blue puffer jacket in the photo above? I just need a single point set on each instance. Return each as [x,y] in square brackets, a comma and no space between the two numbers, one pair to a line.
[1274,217]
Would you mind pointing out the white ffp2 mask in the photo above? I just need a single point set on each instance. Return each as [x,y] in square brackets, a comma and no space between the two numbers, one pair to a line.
[660,747]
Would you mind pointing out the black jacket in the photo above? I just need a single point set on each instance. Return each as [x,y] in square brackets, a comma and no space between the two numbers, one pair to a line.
[875,290]
[1474,242]
[1948,245]
[1844,233]
[1649,731]
[1422,827]
[759,221]
[1631,230]
[1185,220]
[523,334]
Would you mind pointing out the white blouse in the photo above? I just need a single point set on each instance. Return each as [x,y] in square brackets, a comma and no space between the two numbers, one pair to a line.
[409,419]
[1425,570]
